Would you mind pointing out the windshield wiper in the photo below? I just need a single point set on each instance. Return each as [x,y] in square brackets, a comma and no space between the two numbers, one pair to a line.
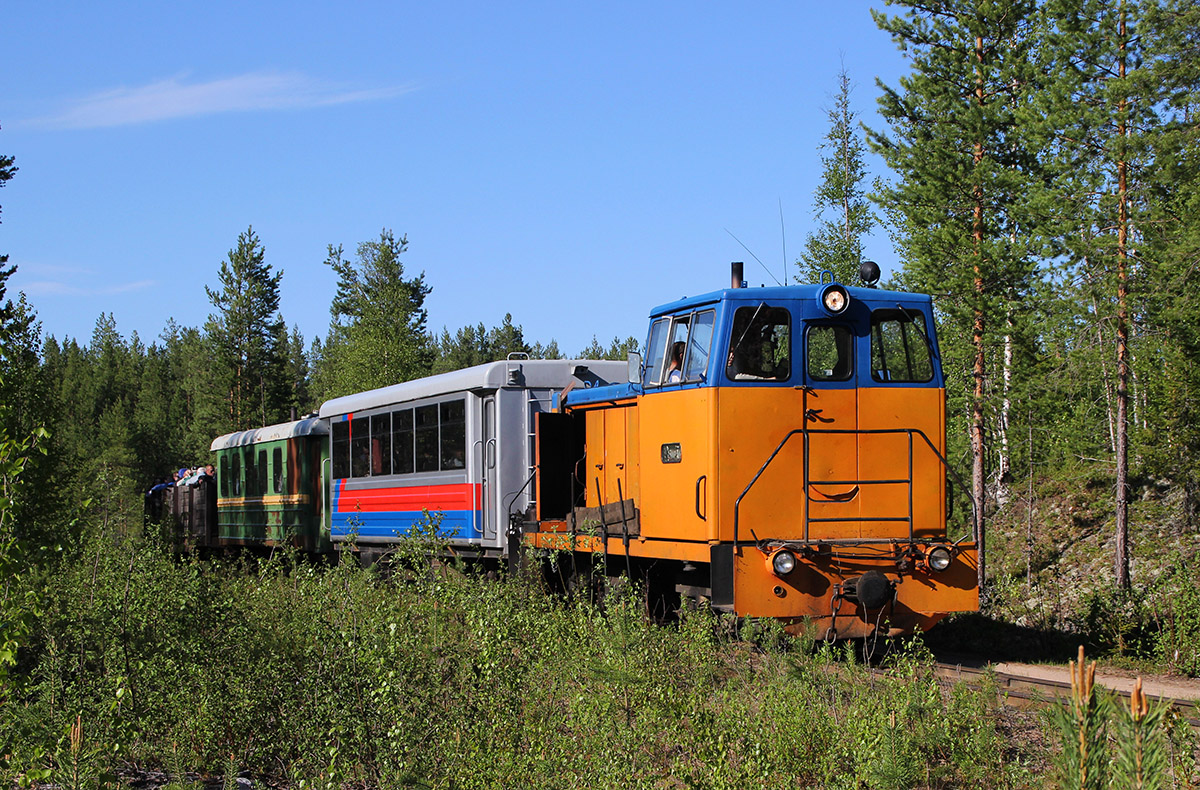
[919,326]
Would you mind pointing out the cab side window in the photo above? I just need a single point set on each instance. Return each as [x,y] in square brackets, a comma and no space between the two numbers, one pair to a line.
[679,348]
[830,353]
[657,351]
[760,345]
[699,346]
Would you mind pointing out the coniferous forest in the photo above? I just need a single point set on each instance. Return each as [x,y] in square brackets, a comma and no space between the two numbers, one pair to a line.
[1041,178]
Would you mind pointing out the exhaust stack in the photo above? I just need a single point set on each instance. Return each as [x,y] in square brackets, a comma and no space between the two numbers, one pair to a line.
[735,271]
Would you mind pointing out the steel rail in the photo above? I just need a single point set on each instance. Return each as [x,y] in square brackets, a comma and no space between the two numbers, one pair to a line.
[1024,691]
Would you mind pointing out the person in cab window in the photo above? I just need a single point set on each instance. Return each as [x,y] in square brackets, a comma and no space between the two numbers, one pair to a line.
[675,371]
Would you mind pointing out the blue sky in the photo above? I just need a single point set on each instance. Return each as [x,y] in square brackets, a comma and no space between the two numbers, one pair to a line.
[573,164]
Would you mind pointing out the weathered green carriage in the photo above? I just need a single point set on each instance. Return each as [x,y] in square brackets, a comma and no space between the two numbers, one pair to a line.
[269,486]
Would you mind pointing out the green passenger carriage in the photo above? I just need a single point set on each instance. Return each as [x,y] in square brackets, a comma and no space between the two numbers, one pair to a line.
[269,486]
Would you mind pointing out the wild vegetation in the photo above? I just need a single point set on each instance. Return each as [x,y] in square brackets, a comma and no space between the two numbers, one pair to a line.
[435,677]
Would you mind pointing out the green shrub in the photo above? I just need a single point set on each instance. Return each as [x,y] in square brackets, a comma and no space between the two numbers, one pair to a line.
[1177,642]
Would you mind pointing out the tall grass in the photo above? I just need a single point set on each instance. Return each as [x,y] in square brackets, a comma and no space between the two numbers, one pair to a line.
[436,677]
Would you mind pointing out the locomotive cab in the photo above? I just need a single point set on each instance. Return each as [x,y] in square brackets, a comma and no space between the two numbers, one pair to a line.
[781,454]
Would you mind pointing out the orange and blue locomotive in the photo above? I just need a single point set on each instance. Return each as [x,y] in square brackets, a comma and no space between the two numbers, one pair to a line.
[781,453]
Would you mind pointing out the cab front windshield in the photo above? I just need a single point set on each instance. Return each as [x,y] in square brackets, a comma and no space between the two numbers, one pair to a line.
[760,344]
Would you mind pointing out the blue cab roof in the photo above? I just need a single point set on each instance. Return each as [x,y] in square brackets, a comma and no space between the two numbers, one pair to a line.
[872,297]
[802,299]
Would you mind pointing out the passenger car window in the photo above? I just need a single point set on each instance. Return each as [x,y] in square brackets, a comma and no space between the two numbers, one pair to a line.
[224,474]
[360,447]
[235,482]
[277,477]
[407,441]
[760,345]
[426,419]
[402,442]
[454,435]
[830,353]
[251,488]
[341,449]
[262,472]
[899,347]
[381,444]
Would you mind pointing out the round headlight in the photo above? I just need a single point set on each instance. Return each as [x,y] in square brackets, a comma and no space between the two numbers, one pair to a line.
[835,299]
[783,563]
[939,558]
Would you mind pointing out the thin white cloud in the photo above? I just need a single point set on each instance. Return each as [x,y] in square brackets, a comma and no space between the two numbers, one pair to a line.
[175,98]
[57,288]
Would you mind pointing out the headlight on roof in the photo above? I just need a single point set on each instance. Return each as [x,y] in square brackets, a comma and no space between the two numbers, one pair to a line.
[834,299]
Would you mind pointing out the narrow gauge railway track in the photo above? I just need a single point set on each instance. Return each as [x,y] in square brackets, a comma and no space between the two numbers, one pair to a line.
[1025,691]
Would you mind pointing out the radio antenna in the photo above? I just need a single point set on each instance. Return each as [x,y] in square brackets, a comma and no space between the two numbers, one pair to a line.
[783,235]
[755,257]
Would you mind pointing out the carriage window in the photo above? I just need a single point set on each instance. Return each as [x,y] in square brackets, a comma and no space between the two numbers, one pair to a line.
[760,345]
[341,449]
[454,435]
[235,479]
[381,444]
[830,353]
[657,351]
[699,345]
[251,488]
[224,474]
[426,430]
[899,347]
[402,442]
[262,472]
[277,477]
[360,447]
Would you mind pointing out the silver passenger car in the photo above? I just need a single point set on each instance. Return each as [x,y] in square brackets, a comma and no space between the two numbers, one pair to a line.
[453,452]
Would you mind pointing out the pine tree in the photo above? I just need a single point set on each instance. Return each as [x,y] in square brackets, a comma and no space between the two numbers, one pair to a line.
[1170,253]
[618,349]
[10,318]
[837,244]
[197,408]
[297,381]
[508,338]
[378,334]
[244,334]
[1104,106]
[475,345]
[548,351]
[964,172]
[465,348]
